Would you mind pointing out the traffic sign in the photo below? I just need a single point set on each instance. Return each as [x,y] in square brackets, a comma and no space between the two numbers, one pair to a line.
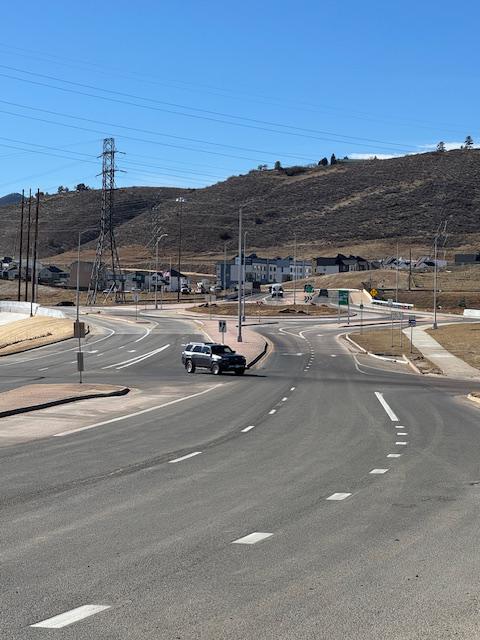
[412,321]
[373,293]
[222,326]
[343,296]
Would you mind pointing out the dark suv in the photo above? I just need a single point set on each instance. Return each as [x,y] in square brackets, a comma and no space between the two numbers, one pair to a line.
[216,357]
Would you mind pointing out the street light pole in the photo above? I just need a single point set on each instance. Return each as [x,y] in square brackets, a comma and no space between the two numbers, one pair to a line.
[294,269]
[181,201]
[435,326]
[224,267]
[239,334]
[164,235]
[244,273]
[78,303]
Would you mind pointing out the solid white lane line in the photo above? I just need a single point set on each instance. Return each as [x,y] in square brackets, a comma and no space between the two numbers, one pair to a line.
[92,351]
[132,351]
[394,455]
[378,471]
[399,426]
[402,443]
[135,359]
[402,433]
[292,388]
[123,346]
[189,455]
[253,538]
[339,496]
[44,369]
[272,412]
[69,617]
[73,362]
[147,332]
[284,399]
[385,405]
[252,426]
[144,357]
[137,413]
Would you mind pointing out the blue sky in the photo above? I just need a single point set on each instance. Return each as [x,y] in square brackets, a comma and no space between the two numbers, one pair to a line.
[196,91]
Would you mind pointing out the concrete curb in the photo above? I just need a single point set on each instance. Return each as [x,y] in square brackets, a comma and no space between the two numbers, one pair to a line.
[53,403]
[413,366]
[473,398]
[259,357]
[403,360]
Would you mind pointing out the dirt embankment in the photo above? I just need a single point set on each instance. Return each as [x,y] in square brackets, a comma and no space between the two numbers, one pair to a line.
[33,332]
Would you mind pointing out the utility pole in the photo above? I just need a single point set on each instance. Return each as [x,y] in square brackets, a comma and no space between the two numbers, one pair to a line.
[396,277]
[106,239]
[410,272]
[224,267]
[435,251]
[164,235]
[294,269]
[244,272]
[19,294]
[35,247]
[28,243]
[239,334]
[180,201]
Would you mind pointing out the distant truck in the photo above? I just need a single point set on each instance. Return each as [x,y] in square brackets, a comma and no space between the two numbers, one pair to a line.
[276,290]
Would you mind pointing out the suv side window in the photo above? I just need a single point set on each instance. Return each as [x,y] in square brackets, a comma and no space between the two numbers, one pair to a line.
[197,349]
[188,347]
[206,350]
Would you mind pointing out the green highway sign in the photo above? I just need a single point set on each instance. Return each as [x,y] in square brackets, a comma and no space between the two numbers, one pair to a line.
[342,296]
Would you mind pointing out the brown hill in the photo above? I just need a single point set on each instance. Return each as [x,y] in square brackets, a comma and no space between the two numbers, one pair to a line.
[368,206]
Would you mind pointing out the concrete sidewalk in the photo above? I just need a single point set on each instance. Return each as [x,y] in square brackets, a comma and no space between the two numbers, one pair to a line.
[450,365]
[39,396]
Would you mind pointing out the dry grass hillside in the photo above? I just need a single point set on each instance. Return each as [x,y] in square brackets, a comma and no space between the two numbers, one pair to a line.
[364,207]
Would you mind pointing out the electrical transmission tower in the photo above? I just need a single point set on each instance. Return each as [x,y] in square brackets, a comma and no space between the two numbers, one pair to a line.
[106,267]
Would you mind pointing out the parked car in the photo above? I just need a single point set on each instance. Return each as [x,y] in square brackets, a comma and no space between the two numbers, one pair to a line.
[216,357]
[185,289]
[216,289]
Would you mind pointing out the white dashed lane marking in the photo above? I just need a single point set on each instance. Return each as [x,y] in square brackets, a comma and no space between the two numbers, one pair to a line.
[247,429]
[378,471]
[272,412]
[394,455]
[284,399]
[44,369]
[402,433]
[339,496]
[386,406]
[401,443]
[253,538]
[69,617]
[189,455]
[292,388]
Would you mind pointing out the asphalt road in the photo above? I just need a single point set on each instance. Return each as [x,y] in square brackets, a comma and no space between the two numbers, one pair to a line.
[141,515]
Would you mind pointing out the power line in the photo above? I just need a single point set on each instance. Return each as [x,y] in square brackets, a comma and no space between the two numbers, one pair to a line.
[216,91]
[156,142]
[289,130]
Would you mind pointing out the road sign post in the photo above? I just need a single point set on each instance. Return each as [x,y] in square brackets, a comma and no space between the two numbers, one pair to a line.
[361,317]
[222,328]
[344,299]
[412,322]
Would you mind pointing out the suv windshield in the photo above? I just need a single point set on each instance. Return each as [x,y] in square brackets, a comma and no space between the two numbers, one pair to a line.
[219,349]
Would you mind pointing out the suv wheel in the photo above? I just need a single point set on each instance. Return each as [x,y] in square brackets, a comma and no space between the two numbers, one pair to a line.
[189,366]
[216,369]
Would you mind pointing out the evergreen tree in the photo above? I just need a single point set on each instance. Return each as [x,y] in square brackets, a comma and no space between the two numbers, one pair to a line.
[278,165]
[333,159]
[441,147]
[468,142]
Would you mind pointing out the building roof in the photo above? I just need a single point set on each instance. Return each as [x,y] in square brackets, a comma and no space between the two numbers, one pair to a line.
[325,262]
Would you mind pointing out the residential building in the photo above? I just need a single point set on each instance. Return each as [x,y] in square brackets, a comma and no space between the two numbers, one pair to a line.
[339,264]
[262,270]
[52,275]
[462,259]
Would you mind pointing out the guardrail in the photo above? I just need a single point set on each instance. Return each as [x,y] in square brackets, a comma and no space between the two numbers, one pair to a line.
[394,305]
